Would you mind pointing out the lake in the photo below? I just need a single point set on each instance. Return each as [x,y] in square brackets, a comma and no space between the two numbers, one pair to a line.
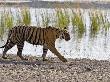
[97,47]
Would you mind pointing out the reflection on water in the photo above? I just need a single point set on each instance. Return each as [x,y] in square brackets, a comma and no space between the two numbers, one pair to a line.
[97,47]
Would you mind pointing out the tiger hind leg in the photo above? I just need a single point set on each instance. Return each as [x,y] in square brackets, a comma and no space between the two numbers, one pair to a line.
[19,53]
[45,49]
[7,47]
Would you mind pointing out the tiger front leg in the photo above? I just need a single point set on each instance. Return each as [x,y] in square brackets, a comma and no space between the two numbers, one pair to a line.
[54,50]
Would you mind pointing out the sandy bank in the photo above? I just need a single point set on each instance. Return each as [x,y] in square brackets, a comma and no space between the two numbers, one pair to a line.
[75,70]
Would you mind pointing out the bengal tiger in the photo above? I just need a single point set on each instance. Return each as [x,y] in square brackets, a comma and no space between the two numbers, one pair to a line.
[36,36]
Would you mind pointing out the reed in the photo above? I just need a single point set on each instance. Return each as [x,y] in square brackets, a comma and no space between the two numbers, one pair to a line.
[78,24]
[26,17]
[99,23]
[105,23]
[2,25]
[9,20]
[62,18]
[45,18]
[37,20]
[18,19]
[98,20]
[6,22]
[95,23]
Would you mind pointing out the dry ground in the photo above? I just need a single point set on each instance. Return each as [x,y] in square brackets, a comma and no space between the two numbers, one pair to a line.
[35,70]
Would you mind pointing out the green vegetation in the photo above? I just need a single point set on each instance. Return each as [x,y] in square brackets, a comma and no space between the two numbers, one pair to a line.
[95,24]
[26,17]
[62,18]
[18,18]
[6,22]
[78,24]
[99,22]
[45,19]
[37,21]
[2,25]
[9,20]
[104,23]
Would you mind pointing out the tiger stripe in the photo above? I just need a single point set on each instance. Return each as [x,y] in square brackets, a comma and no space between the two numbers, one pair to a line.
[33,36]
[42,37]
[30,33]
[36,36]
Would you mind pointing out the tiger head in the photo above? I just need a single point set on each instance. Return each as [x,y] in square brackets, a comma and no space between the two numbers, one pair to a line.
[65,35]
[59,33]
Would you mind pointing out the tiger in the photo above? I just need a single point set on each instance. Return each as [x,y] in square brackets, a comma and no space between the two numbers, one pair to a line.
[36,36]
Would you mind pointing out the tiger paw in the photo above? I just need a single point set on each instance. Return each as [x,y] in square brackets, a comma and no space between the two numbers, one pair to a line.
[63,59]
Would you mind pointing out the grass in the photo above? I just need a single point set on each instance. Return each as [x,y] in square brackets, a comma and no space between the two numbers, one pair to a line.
[78,24]
[26,17]
[45,18]
[62,18]
[105,23]
[2,25]
[37,18]
[6,22]
[98,20]
[18,18]
[95,24]
[9,20]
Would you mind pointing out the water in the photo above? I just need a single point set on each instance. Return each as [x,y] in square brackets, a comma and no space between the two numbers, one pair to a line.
[99,48]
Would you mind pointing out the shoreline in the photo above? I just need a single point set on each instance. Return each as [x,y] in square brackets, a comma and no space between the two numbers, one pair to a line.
[75,70]
[55,4]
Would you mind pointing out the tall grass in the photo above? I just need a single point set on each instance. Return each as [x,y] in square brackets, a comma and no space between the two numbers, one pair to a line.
[2,25]
[37,20]
[78,24]
[6,22]
[98,20]
[18,18]
[104,23]
[9,20]
[26,17]
[62,18]
[45,18]
[95,23]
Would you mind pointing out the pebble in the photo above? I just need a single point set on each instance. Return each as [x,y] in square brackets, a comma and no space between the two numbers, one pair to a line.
[76,70]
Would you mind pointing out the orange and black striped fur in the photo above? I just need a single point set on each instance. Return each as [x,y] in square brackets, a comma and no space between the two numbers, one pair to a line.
[36,36]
